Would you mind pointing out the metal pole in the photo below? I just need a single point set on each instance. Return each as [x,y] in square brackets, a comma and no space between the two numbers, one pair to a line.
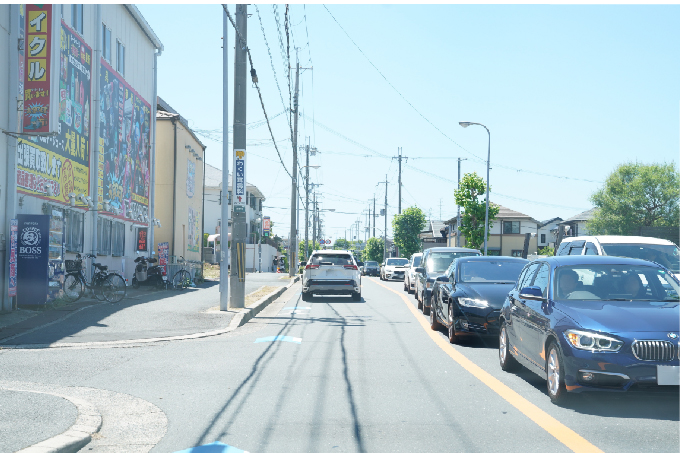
[259,246]
[314,222]
[373,217]
[293,229]
[224,195]
[237,276]
[486,216]
[458,215]
[385,244]
[307,204]
[400,181]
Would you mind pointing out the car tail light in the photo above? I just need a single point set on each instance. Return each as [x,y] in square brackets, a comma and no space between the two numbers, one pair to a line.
[351,266]
[312,266]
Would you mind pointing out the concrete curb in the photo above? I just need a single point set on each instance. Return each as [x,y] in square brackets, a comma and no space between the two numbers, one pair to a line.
[249,313]
[88,422]
[240,318]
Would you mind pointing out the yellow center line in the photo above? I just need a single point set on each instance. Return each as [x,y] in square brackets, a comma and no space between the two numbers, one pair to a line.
[565,435]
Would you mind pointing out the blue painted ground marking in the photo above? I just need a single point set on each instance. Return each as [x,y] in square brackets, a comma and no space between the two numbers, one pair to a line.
[215,447]
[279,338]
[297,308]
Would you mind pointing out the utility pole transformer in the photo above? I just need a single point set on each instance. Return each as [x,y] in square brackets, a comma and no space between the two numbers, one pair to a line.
[292,247]
[237,277]
[224,201]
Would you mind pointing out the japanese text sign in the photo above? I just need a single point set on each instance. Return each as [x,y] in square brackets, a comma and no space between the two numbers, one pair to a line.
[239,182]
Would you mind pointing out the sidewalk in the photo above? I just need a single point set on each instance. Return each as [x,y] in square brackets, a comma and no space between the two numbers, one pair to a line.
[143,315]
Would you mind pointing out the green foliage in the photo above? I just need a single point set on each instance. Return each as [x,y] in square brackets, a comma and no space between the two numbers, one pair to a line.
[312,247]
[546,251]
[205,239]
[636,195]
[407,227]
[374,250]
[342,244]
[472,187]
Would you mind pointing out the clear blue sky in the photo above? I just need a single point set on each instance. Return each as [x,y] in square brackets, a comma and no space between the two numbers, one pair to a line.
[568,91]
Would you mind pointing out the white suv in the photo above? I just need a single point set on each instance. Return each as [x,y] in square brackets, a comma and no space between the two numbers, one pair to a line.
[331,272]
[660,251]
[410,278]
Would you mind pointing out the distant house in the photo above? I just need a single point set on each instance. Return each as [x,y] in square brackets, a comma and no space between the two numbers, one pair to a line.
[547,232]
[577,224]
[434,234]
[506,237]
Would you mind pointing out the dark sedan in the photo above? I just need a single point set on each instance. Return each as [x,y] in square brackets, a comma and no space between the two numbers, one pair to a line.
[593,323]
[467,299]
[434,263]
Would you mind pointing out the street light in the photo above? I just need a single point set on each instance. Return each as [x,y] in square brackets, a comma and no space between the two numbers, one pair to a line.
[488,159]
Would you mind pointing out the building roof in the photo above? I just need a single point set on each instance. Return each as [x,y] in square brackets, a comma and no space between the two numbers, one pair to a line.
[213,179]
[165,112]
[507,213]
[582,217]
[546,222]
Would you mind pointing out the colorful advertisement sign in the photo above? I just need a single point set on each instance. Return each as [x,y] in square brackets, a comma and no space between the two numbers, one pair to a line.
[13,232]
[124,145]
[239,188]
[53,167]
[194,233]
[163,250]
[37,70]
[142,237]
[22,61]
[191,176]
[266,226]
[32,258]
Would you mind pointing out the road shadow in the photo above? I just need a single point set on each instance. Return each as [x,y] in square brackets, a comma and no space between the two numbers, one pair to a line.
[335,300]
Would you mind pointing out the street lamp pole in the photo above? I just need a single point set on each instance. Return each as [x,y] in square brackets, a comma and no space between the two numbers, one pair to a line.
[488,161]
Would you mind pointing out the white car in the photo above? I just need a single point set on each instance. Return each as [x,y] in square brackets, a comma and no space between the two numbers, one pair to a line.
[331,272]
[410,278]
[660,251]
[394,268]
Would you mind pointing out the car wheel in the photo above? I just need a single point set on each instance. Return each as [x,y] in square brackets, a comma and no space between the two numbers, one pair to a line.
[356,296]
[306,296]
[507,361]
[420,302]
[555,375]
[426,310]
[453,338]
[405,285]
[434,323]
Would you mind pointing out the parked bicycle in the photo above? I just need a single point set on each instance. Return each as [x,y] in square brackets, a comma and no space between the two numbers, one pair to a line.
[182,278]
[105,284]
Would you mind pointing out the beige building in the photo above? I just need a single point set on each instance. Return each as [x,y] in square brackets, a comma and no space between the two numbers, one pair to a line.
[507,234]
[180,159]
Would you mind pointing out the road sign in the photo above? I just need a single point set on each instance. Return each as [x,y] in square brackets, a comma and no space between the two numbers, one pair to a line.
[240,180]
[266,226]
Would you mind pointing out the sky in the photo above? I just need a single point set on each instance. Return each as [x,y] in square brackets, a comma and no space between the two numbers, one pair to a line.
[568,93]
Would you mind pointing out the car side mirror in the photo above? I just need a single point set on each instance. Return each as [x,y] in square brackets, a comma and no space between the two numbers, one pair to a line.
[531,293]
[442,278]
[420,270]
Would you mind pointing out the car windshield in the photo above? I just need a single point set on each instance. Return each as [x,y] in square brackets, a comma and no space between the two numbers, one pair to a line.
[615,282]
[371,264]
[439,262]
[416,260]
[332,259]
[397,262]
[666,255]
[500,271]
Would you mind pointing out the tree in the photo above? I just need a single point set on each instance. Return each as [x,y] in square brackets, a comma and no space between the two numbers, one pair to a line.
[312,247]
[634,196]
[546,251]
[374,250]
[472,187]
[407,227]
[341,244]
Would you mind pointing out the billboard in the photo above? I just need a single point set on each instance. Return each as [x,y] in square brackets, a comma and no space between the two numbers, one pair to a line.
[32,258]
[124,145]
[266,226]
[194,230]
[142,237]
[52,167]
[38,63]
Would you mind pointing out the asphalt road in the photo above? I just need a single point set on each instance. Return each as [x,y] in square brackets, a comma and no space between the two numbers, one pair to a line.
[366,376]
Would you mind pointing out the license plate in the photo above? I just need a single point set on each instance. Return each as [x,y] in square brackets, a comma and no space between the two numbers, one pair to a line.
[667,375]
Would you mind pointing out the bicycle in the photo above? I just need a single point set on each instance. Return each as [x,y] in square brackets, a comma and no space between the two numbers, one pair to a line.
[105,285]
[182,278]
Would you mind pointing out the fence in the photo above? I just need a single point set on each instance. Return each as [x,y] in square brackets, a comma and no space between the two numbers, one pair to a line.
[194,267]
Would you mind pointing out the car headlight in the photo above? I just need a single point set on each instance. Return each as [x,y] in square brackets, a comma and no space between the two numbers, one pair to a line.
[476,303]
[593,342]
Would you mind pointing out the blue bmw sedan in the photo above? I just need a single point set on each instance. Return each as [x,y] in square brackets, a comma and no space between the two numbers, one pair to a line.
[593,323]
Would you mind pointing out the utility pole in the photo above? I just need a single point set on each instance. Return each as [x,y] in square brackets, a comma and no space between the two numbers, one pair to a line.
[458,215]
[314,221]
[237,277]
[400,157]
[373,216]
[224,222]
[292,265]
[307,204]
[384,232]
